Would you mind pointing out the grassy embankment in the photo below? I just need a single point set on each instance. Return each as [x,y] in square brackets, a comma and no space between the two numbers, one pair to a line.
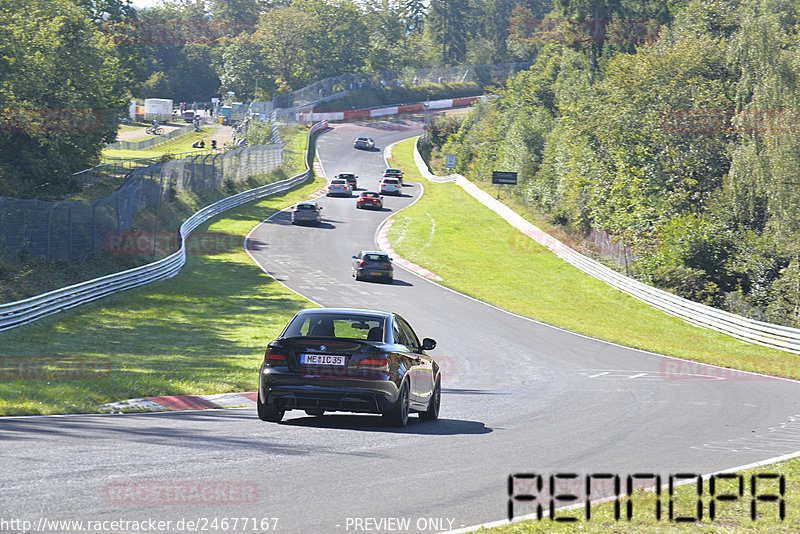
[27,277]
[203,331]
[479,254]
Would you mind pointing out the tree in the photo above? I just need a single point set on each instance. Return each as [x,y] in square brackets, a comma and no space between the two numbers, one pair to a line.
[414,15]
[62,94]
[451,23]
[341,43]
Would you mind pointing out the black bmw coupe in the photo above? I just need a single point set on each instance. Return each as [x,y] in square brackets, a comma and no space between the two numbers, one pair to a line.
[330,359]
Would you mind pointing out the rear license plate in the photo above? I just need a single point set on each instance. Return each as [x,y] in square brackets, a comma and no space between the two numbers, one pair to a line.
[375,273]
[322,359]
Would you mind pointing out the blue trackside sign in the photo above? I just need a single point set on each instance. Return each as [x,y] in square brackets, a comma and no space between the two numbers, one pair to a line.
[502,177]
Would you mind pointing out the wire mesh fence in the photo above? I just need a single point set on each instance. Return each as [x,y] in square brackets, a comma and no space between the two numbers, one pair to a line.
[76,229]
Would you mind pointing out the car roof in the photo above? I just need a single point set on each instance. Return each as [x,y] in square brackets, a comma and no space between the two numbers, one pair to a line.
[308,202]
[389,179]
[381,252]
[364,139]
[354,311]
[346,174]
[392,169]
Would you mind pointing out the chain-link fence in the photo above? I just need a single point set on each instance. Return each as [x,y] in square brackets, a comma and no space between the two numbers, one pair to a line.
[76,229]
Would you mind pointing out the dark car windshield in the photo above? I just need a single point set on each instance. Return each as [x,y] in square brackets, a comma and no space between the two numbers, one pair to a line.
[349,326]
[376,257]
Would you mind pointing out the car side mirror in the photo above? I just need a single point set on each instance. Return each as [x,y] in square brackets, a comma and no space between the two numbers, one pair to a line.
[428,344]
[320,208]
[355,258]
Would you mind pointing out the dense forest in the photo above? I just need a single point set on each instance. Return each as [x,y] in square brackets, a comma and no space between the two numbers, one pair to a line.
[683,143]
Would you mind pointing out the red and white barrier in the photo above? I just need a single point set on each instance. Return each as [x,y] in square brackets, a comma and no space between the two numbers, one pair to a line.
[357,114]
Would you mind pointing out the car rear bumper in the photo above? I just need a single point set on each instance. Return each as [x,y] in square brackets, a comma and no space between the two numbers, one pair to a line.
[361,396]
[366,272]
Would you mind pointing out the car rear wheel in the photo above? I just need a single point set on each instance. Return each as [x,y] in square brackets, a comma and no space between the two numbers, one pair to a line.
[432,413]
[273,414]
[399,414]
[315,412]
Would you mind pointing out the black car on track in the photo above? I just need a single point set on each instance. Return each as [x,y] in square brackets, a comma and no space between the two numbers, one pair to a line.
[334,359]
[373,265]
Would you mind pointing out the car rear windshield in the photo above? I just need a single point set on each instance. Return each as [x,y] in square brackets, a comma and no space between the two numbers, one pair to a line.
[346,176]
[306,207]
[377,257]
[390,181]
[370,194]
[339,182]
[349,326]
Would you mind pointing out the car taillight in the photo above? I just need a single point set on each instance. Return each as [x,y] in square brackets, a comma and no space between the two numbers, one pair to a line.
[360,263]
[374,364]
[273,358]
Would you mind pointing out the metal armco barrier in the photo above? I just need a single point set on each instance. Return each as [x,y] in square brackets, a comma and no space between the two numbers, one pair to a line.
[28,310]
[749,330]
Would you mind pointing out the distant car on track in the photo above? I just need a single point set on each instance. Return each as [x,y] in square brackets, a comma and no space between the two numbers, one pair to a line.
[363,361]
[391,186]
[351,178]
[364,142]
[339,187]
[308,212]
[370,199]
[373,264]
[394,173]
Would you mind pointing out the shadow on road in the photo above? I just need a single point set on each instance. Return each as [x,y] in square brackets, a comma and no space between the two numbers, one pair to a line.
[376,423]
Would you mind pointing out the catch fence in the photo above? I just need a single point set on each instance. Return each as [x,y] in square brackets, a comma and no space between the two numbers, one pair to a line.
[76,229]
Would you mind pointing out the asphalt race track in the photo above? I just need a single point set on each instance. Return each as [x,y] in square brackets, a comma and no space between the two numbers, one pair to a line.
[518,396]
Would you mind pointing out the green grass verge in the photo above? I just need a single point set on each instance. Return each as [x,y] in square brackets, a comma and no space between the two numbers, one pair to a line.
[178,145]
[731,516]
[203,331]
[479,254]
